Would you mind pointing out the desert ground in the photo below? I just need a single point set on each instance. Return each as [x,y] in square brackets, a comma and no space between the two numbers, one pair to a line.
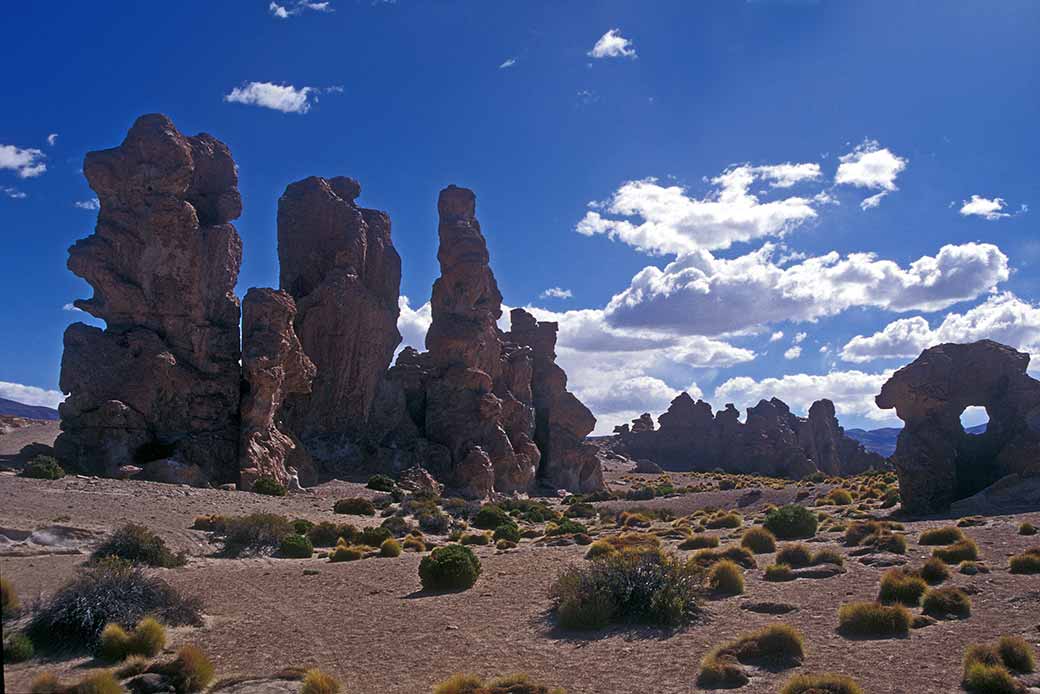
[369,623]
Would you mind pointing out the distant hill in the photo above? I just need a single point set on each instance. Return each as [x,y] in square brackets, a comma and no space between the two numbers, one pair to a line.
[883,440]
[17,409]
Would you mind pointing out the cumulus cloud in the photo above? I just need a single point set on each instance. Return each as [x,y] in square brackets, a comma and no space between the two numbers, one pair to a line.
[291,9]
[26,163]
[13,193]
[787,175]
[777,336]
[793,352]
[556,293]
[701,294]
[413,324]
[870,166]
[91,204]
[799,338]
[613,45]
[979,206]
[851,391]
[671,221]
[30,395]
[1002,317]
[279,97]
[52,139]
[507,63]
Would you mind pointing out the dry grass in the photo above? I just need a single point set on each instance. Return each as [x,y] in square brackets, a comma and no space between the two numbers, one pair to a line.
[964,550]
[777,646]
[873,620]
[821,683]
[726,578]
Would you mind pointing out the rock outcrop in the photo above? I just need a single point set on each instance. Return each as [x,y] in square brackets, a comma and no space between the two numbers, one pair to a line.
[340,266]
[159,386]
[273,367]
[772,441]
[484,411]
[937,461]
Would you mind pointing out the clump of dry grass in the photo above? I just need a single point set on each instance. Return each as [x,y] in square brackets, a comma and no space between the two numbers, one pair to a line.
[899,586]
[317,682]
[1027,529]
[738,555]
[945,535]
[934,571]
[1026,563]
[963,550]
[943,603]
[726,578]
[103,682]
[821,683]
[9,601]
[724,520]
[777,645]
[511,684]
[699,541]
[988,667]
[778,573]
[758,540]
[874,620]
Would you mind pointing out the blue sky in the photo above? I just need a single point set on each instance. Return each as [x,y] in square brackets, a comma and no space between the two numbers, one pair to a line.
[703,183]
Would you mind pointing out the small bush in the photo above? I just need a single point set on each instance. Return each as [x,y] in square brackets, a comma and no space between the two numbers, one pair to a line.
[397,526]
[43,467]
[758,540]
[822,683]
[946,535]
[964,550]
[268,486]
[600,548]
[839,497]
[317,682]
[565,526]
[490,517]
[296,547]
[146,640]
[190,671]
[256,533]
[9,602]
[828,556]
[113,644]
[791,522]
[778,573]
[138,545]
[326,534]
[795,555]
[1026,563]
[374,536]
[390,548]
[381,483]
[942,603]
[452,567]
[701,541]
[346,553]
[212,523]
[581,510]
[724,520]
[776,646]
[873,620]
[476,539]
[1027,529]
[512,684]
[934,571]
[356,506]
[726,578]
[900,587]
[739,555]
[1016,653]
[507,531]
[110,591]
[413,544]
[18,648]
[989,679]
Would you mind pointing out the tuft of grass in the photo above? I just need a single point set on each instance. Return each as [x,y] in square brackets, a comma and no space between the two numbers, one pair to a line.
[699,541]
[839,497]
[777,646]
[943,603]
[963,550]
[724,520]
[345,553]
[390,548]
[821,683]
[269,486]
[9,602]
[791,522]
[738,555]
[413,544]
[381,483]
[138,545]
[758,540]
[1027,529]
[934,571]
[946,535]
[511,684]
[795,554]
[898,586]
[778,573]
[18,648]
[190,671]
[726,578]
[873,620]
[1026,563]
[317,682]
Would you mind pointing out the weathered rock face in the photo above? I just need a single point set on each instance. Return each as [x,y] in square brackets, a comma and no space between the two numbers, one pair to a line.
[340,266]
[937,461]
[159,386]
[273,366]
[482,410]
[772,441]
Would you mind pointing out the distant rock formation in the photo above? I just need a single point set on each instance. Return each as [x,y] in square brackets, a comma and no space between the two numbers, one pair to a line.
[159,386]
[937,461]
[14,408]
[471,408]
[273,367]
[772,441]
[340,266]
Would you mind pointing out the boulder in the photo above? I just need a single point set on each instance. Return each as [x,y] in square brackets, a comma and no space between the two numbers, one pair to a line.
[160,381]
[937,461]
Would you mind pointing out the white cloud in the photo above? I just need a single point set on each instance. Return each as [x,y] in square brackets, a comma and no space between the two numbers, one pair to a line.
[787,175]
[799,338]
[873,167]
[1002,317]
[507,63]
[91,204]
[824,349]
[979,206]
[413,324]
[700,294]
[298,7]
[673,222]
[793,352]
[777,336]
[52,139]
[27,163]
[280,97]
[613,45]
[13,193]
[851,391]
[556,293]
[30,395]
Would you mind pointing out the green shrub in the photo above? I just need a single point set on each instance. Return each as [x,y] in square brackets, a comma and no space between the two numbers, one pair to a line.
[946,602]
[870,619]
[822,683]
[381,483]
[701,541]
[268,486]
[946,535]
[302,526]
[791,522]
[374,536]
[581,510]
[1026,563]
[621,587]
[934,571]
[965,550]
[726,578]
[43,467]
[356,506]
[724,520]
[109,591]
[452,567]
[1027,529]
[758,540]
[296,547]
[490,517]
[18,648]
[777,573]
[797,554]
[507,531]
[9,603]
[397,526]
[390,548]
[138,545]
[901,587]
[565,526]
[326,534]
[345,553]
[256,533]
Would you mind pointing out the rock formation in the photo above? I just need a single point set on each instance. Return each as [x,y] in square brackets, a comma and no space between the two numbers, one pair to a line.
[937,461]
[472,408]
[273,367]
[159,386]
[340,266]
[772,441]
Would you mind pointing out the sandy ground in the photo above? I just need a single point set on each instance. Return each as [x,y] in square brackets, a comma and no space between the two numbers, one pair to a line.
[368,623]
[39,431]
